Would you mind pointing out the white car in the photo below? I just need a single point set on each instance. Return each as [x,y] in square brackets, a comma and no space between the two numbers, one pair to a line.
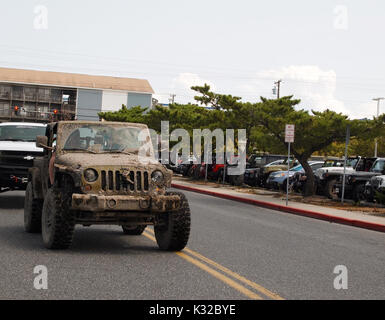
[17,152]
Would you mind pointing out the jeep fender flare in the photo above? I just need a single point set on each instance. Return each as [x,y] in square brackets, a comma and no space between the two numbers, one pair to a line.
[75,175]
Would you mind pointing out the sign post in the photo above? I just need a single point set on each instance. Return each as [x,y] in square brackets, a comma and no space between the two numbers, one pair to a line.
[289,138]
[346,155]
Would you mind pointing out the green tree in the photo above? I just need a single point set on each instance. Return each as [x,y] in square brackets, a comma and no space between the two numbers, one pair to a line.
[231,113]
[134,114]
[314,132]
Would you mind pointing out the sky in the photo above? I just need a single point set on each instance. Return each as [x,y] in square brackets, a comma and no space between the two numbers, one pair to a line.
[329,53]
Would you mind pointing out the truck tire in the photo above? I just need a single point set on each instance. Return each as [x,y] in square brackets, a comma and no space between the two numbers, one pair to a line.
[190,172]
[197,172]
[58,222]
[330,191]
[133,230]
[283,186]
[237,180]
[220,176]
[174,231]
[185,172]
[359,193]
[32,211]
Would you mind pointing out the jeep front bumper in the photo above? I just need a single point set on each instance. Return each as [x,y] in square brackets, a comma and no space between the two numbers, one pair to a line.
[100,203]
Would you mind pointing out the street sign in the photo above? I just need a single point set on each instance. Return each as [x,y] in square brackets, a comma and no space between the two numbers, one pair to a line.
[289,138]
[289,133]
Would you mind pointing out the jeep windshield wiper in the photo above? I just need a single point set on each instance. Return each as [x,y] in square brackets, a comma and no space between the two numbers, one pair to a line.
[84,150]
[120,151]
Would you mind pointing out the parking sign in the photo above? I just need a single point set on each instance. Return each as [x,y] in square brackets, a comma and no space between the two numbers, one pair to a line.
[289,133]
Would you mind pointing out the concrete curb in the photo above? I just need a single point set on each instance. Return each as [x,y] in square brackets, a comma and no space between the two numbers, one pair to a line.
[297,211]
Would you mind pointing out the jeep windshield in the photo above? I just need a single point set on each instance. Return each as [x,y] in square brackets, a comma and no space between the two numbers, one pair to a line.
[351,162]
[378,166]
[20,132]
[105,138]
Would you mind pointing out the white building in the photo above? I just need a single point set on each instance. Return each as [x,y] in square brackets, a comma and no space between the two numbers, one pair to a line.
[44,95]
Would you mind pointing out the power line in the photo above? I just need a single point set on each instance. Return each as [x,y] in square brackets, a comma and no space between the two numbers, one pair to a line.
[278,84]
[172,98]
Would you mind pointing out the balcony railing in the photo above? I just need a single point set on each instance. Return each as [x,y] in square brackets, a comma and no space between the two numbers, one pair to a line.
[32,115]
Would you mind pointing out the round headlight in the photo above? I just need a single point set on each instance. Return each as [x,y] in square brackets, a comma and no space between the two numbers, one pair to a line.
[90,175]
[157,177]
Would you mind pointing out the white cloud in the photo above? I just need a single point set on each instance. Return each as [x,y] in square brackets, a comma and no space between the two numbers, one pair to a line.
[186,80]
[315,87]
[181,87]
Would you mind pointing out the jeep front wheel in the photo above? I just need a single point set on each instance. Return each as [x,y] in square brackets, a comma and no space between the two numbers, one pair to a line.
[359,193]
[173,229]
[133,230]
[330,189]
[58,222]
[32,211]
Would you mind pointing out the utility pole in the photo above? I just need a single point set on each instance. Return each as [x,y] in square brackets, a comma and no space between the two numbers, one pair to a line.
[378,113]
[278,84]
[172,98]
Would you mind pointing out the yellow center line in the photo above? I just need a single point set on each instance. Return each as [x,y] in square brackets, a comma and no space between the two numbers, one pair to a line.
[248,293]
[233,274]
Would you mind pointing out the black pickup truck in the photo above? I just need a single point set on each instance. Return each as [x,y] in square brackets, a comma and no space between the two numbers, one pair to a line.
[17,151]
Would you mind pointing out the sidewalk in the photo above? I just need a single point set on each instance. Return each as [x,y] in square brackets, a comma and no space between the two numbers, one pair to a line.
[309,210]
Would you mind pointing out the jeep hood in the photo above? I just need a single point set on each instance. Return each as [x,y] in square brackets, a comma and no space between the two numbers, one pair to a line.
[335,169]
[88,160]
[26,146]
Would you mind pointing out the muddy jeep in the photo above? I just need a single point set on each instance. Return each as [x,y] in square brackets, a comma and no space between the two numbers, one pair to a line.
[102,173]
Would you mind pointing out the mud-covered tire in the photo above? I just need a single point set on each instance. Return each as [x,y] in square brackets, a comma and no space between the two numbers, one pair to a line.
[174,232]
[330,189]
[32,211]
[58,221]
[133,230]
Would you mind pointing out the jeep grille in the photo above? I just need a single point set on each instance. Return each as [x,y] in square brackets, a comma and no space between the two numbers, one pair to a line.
[115,181]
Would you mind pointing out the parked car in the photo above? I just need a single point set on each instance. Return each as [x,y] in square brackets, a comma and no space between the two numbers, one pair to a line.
[255,162]
[263,173]
[251,174]
[218,170]
[260,160]
[300,178]
[327,176]
[355,182]
[278,180]
[374,187]
[186,165]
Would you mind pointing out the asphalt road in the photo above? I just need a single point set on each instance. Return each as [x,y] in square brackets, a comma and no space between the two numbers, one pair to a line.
[236,251]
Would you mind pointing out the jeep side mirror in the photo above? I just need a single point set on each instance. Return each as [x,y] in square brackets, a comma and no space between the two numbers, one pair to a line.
[41,141]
